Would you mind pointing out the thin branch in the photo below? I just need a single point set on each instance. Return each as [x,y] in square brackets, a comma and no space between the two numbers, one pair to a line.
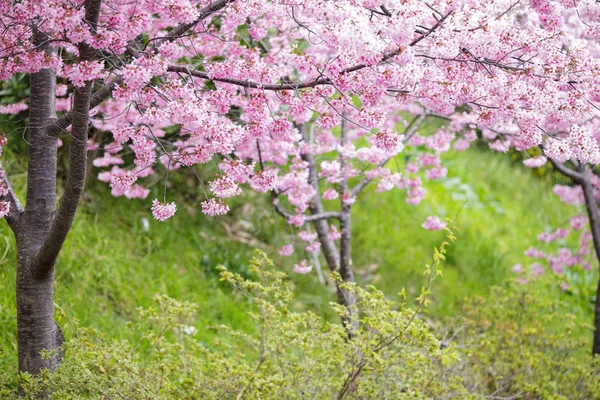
[323,215]
[508,10]
[431,30]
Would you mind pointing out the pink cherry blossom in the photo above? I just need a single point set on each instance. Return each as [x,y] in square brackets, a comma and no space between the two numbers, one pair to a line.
[214,207]
[4,208]
[225,187]
[286,250]
[163,211]
[302,267]
[330,194]
[434,223]
[535,162]
[313,247]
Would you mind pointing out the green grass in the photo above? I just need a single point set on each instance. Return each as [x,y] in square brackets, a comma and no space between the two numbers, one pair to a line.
[110,264]
[505,208]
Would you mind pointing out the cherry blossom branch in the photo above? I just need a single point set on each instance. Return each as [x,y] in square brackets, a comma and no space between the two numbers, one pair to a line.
[13,218]
[181,29]
[303,84]
[96,99]
[106,91]
[412,128]
[322,80]
[316,217]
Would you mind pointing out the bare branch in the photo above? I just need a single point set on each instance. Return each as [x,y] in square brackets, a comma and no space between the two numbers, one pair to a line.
[280,210]
[323,215]
[563,169]
[249,84]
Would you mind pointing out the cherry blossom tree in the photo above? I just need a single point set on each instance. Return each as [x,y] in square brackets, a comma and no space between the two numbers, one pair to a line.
[178,83]
[329,168]
[573,265]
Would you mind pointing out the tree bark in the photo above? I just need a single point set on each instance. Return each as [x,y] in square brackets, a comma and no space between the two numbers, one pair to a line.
[591,206]
[345,297]
[36,328]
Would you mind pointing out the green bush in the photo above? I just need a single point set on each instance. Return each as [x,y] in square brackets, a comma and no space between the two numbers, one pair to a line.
[525,342]
[294,355]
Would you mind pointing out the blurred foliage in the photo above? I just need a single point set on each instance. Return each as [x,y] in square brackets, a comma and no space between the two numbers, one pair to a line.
[15,90]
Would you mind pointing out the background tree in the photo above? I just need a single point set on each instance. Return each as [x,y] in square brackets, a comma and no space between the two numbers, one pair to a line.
[336,165]
[573,264]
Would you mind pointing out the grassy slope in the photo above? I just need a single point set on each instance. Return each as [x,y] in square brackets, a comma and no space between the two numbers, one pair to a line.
[111,265]
[506,208]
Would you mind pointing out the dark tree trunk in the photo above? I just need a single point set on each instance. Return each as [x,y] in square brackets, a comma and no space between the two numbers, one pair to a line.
[36,328]
[591,206]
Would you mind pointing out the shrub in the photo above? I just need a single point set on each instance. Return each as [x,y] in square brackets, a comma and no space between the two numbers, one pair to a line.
[292,355]
[526,342]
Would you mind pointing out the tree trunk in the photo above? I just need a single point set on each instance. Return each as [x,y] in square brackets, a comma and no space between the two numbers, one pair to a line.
[591,206]
[37,329]
[345,297]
